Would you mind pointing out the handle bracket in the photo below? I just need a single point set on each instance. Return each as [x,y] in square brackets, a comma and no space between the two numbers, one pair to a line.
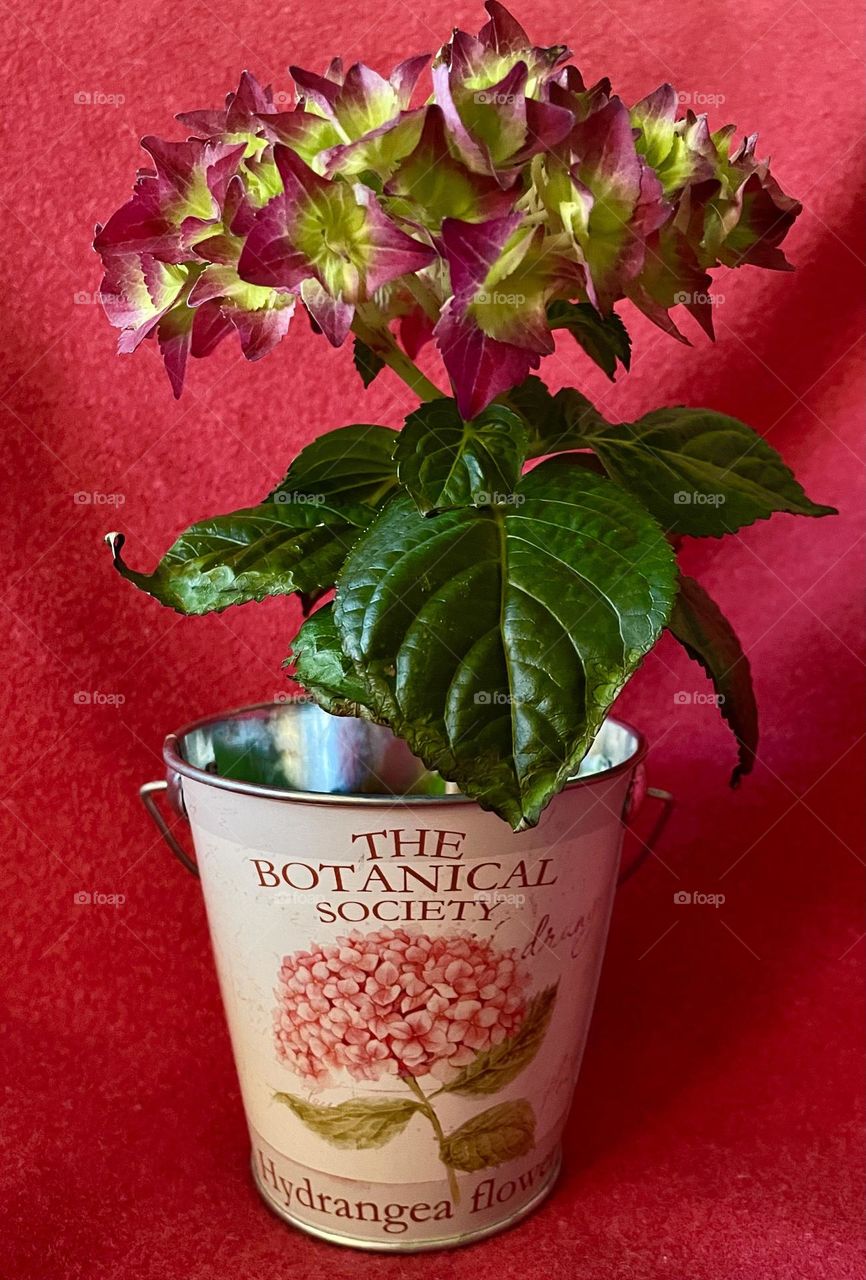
[648,846]
[148,794]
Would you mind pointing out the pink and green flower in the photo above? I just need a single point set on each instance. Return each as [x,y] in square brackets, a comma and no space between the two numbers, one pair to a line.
[514,185]
[331,241]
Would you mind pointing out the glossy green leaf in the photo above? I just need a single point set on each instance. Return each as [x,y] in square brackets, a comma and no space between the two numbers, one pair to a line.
[604,338]
[554,422]
[700,472]
[356,1125]
[495,639]
[446,462]
[501,1133]
[492,1070]
[321,667]
[347,465]
[366,361]
[281,546]
[707,636]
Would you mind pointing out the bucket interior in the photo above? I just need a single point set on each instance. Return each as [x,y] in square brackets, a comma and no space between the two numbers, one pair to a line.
[296,746]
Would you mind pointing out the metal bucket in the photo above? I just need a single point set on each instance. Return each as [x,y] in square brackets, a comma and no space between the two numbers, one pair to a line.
[408,984]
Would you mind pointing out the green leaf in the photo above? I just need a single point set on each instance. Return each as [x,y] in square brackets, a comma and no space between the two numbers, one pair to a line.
[355,1125]
[493,1070]
[366,361]
[495,639]
[604,338]
[348,465]
[274,549]
[700,472]
[296,540]
[502,1133]
[554,422]
[322,668]
[446,462]
[707,636]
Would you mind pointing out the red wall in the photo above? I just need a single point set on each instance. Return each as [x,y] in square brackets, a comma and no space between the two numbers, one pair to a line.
[712,1133]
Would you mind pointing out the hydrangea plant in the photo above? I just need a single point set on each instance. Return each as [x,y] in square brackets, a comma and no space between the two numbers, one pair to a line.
[488,612]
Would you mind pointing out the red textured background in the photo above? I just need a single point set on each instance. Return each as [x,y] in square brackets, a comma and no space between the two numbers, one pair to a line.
[715,1129]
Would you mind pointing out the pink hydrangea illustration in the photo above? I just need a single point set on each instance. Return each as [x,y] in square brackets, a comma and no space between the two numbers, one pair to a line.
[396,1002]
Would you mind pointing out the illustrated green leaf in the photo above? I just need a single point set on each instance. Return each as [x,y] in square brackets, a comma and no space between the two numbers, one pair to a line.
[322,668]
[446,462]
[355,1125]
[707,636]
[281,546]
[502,1133]
[366,361]
[700,472]
[495,639]
[348,465]
[494,1069]
[604,338]
[554,422]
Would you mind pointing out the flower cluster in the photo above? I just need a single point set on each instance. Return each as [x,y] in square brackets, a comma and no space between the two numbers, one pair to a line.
[462,220]
[395,1002]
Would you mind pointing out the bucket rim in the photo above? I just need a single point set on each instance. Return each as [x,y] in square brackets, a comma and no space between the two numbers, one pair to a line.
[177,765]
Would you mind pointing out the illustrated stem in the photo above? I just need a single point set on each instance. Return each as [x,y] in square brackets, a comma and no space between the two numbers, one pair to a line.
[437,1129]
[380,341]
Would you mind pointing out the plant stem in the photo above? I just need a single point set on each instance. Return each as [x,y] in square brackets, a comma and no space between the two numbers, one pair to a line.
[384,346]
[437,1129]
[424,296]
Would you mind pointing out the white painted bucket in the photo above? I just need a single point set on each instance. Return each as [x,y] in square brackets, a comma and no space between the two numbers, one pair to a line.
[408,984]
